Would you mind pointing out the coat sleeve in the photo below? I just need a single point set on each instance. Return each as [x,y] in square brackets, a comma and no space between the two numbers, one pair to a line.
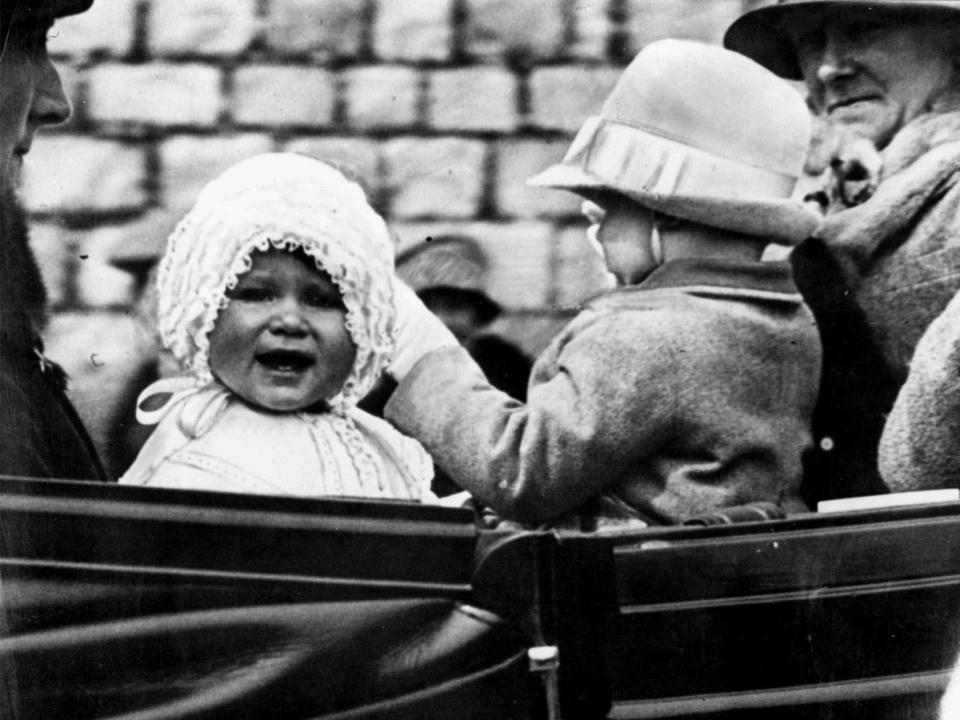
[600,397]
[920,441]
[21,451]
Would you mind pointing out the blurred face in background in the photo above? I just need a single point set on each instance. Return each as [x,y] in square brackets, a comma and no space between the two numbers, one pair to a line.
[461,311]
[873,72]
[31,96]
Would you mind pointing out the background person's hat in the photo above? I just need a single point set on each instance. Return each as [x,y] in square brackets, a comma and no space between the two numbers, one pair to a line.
[449,263]
[760,33]
[700,133]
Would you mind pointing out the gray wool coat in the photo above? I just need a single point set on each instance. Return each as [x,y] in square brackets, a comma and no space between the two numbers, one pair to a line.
[688,392]
[900,250]
[895,262]
[920,445]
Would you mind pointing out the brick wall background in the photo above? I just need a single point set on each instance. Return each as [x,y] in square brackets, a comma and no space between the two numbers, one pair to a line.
[442,108]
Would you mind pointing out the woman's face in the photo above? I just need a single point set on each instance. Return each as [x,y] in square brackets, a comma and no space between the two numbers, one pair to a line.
[31,95]
[282,343]
[874,72]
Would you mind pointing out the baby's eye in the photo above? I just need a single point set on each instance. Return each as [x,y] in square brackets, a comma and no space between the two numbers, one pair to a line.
[252,294]
[324,300]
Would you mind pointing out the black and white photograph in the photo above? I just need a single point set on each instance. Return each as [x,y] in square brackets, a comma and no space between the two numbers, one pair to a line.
[479,359]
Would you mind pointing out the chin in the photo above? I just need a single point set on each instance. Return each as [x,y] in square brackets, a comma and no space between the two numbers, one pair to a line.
[281,404]
[878,130]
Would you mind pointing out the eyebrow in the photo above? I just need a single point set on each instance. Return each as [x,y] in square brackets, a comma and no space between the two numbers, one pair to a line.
[254,275]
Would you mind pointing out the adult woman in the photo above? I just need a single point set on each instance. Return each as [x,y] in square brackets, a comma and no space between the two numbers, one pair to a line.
[883,78]
[40,432]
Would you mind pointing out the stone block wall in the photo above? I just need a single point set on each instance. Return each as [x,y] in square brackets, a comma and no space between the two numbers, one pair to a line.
[441,108]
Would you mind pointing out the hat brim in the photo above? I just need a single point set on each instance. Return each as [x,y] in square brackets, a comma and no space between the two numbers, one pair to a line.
[786,222]
[568,177]
[487,310]
[63,8]
[783,221]
[45,10]
[760,34]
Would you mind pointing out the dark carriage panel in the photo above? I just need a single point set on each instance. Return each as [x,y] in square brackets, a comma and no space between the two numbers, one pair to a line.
[361,659]
[222,605]
[843,616]
[167,604]
[77,552]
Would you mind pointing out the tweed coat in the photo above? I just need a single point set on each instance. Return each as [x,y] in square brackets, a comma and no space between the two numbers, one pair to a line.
[876,275]
[690,391]
[920,445]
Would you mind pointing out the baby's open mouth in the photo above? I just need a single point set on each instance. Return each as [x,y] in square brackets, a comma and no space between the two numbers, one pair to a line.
[285,360]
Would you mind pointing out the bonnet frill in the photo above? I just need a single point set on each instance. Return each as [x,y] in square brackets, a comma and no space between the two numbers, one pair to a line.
[288,202]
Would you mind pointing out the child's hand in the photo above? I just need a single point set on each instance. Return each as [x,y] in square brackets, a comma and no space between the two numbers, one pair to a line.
[417,331]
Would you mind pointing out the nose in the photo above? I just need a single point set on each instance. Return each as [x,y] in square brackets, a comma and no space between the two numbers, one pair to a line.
[288,319]
[835,59]
[50,104]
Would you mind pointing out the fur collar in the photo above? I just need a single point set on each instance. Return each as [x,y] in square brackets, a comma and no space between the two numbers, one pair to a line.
[919,137]
[23,297]
[916,169]
[848,168]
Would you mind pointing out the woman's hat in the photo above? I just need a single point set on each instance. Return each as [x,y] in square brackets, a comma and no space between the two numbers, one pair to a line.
[35,10]
[700,133]
[450,265]
[760,33]
[451,261]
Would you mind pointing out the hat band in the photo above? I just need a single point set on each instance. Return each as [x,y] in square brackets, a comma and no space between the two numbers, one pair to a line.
[635,161]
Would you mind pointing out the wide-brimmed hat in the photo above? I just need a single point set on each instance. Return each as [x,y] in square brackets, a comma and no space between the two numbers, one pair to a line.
[700,133]
[760,34]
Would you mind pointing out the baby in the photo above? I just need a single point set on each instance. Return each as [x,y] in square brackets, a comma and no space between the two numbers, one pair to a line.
[275,294]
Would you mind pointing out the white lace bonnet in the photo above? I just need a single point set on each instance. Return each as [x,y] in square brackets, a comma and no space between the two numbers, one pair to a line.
[284,201]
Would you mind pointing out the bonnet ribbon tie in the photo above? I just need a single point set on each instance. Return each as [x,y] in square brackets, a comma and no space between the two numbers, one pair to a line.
[199,406]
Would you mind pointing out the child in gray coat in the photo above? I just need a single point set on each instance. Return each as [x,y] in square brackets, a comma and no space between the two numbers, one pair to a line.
[690,387]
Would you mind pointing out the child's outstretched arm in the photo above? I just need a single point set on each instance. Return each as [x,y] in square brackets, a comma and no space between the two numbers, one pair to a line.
[537,461]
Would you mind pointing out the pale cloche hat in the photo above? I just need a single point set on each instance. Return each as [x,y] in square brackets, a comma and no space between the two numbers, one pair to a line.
[760,33]
[700,133]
